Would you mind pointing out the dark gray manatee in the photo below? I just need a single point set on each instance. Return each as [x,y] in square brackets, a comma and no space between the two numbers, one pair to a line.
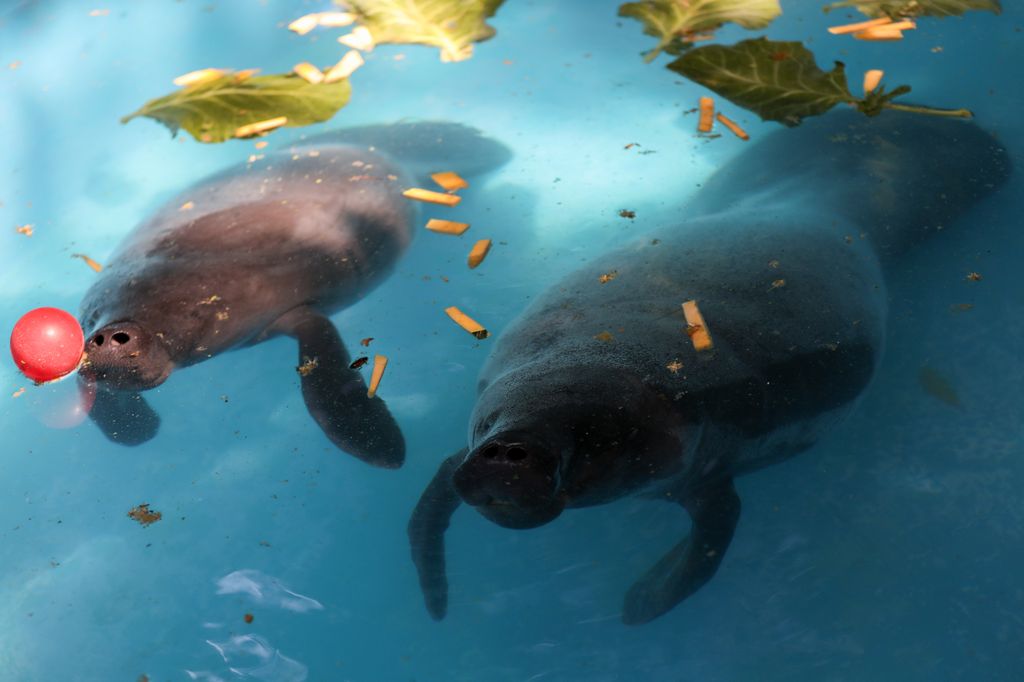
[785,250]
[264,249]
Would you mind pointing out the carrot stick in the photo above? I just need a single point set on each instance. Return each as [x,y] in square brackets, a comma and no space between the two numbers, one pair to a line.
[335,19]
[449,181]
[707,114]
[88,261]
[695,327]
[380,362]
[432,197]
[479,252]
[345,66]
[733,126]
[446,226]
[466,322]
[871,79]
[260,127]
[197,77]
[305,24]
[308,72]
[859,26]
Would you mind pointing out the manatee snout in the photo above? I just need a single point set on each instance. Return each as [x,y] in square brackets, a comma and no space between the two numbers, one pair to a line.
[125,356]
[512,480]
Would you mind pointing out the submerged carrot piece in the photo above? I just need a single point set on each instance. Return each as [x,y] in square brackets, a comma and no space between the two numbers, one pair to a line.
[733,126]
[380,362]
[197,77]
[886,32]
[431,197]
[309,73]
[859,26]
[871,79]
[345,67]
[479,252]
[88,261]
[695,327]
[449,181]
[707,115]
[260,127]
[446,226]
[466,322]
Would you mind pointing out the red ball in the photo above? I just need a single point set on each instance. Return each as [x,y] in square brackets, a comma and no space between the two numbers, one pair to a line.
[47,343]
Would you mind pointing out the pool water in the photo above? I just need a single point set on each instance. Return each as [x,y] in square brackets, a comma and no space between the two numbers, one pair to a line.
[892,550]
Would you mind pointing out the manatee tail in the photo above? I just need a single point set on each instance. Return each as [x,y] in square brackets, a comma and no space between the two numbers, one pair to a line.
[897,177]
[425,147]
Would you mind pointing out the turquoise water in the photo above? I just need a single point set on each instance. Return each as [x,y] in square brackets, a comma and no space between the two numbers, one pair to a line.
[891,550]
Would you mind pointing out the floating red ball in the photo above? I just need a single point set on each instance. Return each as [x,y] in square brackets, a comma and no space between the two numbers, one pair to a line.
[47,343]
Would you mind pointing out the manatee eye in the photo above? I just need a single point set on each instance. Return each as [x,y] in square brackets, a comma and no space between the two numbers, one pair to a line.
[121,337]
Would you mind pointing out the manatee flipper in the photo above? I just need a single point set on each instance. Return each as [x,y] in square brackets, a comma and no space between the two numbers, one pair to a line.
[124,416]
[335,394]
[687,566]
[426,534]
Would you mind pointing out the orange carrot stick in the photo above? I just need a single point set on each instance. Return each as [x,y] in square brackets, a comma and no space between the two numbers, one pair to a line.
[466,322]
[479,252]
[707,115]
[695,327]
[380,362]
[446,226]
[733,126]
[859,26]
[432,197]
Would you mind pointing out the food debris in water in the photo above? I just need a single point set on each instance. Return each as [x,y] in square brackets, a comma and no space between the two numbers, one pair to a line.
[198,77]
[774,263]
[608,276]
[18,393]
[308,72]
[88,261]
[631,145]
[187,206]
[449,181]
[893,31]
[358,39]
[345,67]
[938,386]
[872,78]
[466,322]
[253,158]
[261,127]
[973,277]
[209,301]
[262,144]
[778,284]
[359,362]
[380,363]
[14,65]
[859,26]
[307,366]
[674,366]
[478,253]
[446,226]
[366,342]
[24,229]
[144,515]
[733,127]
[626,213]
[99,12]
[695,327]
[961,307]
[248,618]
[604,336]
[707,115]
[431,197]
[305,23]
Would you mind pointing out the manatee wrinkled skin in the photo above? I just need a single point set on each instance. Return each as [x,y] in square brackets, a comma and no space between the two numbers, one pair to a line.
[596,391]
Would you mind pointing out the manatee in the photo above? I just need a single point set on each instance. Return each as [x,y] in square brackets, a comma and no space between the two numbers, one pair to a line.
[597,391]
[263,249]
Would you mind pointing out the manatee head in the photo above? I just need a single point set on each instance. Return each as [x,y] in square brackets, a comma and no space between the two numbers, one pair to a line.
[542,441]
[126,356]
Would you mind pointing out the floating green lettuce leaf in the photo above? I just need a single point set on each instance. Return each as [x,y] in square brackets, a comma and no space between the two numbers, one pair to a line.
[211,111]
[452,25]
[917,8]
[672,21]
[780,81]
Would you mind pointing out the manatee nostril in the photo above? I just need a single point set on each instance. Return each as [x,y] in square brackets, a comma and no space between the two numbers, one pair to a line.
[121,337]
[515,454]
[98,339]
[491,451]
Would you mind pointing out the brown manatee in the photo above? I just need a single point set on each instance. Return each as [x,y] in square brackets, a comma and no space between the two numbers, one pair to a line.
[263,249]
[596,391]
